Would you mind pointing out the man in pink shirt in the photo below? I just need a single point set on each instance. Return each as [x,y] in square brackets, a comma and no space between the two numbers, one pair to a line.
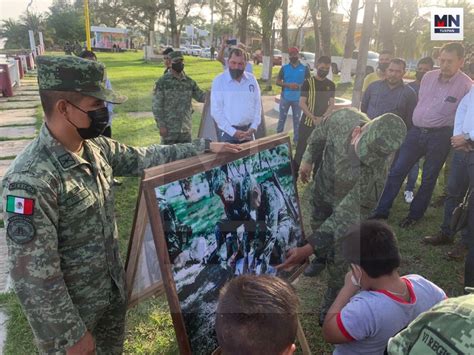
[433,119]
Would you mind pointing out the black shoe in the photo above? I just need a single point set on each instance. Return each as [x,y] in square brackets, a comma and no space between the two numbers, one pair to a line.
[407,222]
[314,268]
[117,182]
[376,215]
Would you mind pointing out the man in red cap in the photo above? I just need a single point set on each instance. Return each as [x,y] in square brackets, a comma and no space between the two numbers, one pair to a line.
[291,78]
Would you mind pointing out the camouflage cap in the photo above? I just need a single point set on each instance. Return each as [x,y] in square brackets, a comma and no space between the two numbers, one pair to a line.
[380,137]
[176,55]
[447,328]
[69,73]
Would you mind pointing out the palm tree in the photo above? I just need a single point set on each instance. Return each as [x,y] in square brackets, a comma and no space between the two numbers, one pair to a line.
[363,51]
[385,33]
[349,46]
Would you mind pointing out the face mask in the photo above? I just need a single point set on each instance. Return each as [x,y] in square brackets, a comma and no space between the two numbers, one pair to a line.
[322,73]
[354,281]
[419,75]
[236,73]
[177,67]
[383,66]
[293,60]
[99,121]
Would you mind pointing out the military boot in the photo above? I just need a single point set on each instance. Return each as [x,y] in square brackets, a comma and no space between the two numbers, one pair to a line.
[328,299]
[316,266]
[459,252]
[439,238]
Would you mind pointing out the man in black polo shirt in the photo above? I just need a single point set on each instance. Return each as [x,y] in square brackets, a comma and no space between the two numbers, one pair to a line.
[316,101]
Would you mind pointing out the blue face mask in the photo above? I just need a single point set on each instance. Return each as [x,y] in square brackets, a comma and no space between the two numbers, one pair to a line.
[99,121]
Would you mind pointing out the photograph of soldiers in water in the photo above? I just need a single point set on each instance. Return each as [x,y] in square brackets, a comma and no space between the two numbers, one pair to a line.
[239,218]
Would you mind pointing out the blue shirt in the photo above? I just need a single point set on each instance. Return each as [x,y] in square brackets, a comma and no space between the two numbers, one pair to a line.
[464,119]
[415,86]
[290,74]
[379,98]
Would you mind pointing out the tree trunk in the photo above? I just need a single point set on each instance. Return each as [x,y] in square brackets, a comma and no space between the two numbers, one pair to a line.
[243,23]
[267,14]
[363,52]
[325,28]
[385,33]
[173,24]
[284,33]
[349,46]
[314,16]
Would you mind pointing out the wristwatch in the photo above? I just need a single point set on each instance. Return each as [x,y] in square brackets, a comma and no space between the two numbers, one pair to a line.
[207,145]
[467,137]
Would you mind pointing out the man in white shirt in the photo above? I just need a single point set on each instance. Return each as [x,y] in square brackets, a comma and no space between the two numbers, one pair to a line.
[235,101]
[461,177]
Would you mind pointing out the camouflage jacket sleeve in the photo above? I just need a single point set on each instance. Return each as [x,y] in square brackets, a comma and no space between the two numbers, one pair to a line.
[345,214]
[316,143]
[131,161]
[158,105]
[198,94]
[35,265]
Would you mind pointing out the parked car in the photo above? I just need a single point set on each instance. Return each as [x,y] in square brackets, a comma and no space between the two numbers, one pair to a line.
[372,62]
[183,50]
[195,50]
[308,58]
[258,58]
[206,53]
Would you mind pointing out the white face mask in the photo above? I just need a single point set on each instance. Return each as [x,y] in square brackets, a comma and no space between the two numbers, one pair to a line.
[354,281]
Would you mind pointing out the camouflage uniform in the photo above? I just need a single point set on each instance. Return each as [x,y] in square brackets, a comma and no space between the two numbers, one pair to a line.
[61,232]
[447,328]
[347,184]
[172,97]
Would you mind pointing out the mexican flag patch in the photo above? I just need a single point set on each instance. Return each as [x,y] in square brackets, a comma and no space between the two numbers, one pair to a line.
[20,205]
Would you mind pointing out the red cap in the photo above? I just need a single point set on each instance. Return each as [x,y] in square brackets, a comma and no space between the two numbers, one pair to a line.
[293,50]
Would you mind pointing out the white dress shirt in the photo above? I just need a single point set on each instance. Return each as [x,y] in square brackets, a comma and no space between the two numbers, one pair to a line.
[235,103]
[464,120]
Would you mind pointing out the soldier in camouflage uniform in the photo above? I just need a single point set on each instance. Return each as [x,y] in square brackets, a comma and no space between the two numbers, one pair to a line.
[59,212]
[447,328]
[172,98]
[355,152]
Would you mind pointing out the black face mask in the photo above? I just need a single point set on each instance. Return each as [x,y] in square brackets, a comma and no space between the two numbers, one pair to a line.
[99,121]
[236,73]
[177,67]
[322,73]
[419,75]
[293,60]
[383,66]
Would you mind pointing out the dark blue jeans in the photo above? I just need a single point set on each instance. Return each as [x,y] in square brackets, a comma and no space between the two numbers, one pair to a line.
[469,264]
[412,177]
[458,182]
[296,112]
[227,138]
[434,145]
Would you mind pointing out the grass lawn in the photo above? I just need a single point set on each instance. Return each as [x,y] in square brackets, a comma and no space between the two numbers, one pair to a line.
[149,326]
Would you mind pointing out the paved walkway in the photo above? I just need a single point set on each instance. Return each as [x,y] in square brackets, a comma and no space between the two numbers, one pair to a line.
[17,122]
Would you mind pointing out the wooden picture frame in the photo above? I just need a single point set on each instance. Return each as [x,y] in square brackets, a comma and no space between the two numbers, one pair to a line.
[185,282]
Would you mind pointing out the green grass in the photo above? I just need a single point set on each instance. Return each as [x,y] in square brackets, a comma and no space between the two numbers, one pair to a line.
[149,326]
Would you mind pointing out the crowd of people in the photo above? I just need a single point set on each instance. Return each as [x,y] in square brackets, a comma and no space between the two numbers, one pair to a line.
[59,202]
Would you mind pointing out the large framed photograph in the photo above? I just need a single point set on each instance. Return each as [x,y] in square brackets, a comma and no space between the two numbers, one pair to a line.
[216,217]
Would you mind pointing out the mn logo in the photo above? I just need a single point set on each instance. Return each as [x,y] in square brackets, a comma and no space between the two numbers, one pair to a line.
[447,24]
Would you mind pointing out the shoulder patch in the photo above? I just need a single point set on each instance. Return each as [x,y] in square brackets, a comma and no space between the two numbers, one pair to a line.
[22,186]
[66,160]
[20,205]
[20,229]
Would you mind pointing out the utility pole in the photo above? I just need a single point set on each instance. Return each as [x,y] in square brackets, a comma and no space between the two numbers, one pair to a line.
[88,25]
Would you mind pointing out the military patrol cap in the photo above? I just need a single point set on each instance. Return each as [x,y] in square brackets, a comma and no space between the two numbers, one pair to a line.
[447,328]
[176,55]
[69,73]
[380,137]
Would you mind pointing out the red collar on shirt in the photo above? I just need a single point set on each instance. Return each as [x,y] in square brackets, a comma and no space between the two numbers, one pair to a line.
[399,299]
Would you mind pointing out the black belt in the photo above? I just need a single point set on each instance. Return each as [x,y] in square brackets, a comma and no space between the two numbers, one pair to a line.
[433,129]
[242,128]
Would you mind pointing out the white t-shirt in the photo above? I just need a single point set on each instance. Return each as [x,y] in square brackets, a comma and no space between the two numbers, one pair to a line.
[372,317]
